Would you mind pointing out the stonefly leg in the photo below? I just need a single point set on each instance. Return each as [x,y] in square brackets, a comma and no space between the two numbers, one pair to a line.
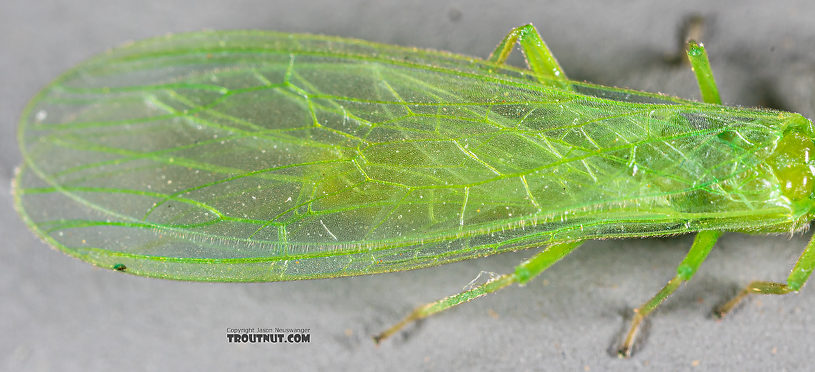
[523,273]
[702,244]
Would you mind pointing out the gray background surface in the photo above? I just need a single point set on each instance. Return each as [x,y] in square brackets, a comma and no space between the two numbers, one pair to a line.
[57,313]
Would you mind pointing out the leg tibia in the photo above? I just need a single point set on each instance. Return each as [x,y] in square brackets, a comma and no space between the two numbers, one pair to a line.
[523,273]
[799,275]
[702,244]
[704,75]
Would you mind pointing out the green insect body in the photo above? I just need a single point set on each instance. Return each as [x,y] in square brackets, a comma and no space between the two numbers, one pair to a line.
[260,156]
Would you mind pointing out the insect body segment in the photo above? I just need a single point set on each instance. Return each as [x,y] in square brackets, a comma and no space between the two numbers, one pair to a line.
[259,156]
[792,165]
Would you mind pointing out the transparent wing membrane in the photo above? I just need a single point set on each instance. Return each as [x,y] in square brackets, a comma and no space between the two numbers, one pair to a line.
[248,156]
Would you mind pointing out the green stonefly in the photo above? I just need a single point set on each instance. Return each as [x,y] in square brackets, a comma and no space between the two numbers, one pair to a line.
[261,156]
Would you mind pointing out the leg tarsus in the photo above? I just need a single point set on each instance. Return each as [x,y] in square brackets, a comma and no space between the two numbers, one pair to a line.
[797,278]
[758,287]
[523,273]
[538,56]
[702,244]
